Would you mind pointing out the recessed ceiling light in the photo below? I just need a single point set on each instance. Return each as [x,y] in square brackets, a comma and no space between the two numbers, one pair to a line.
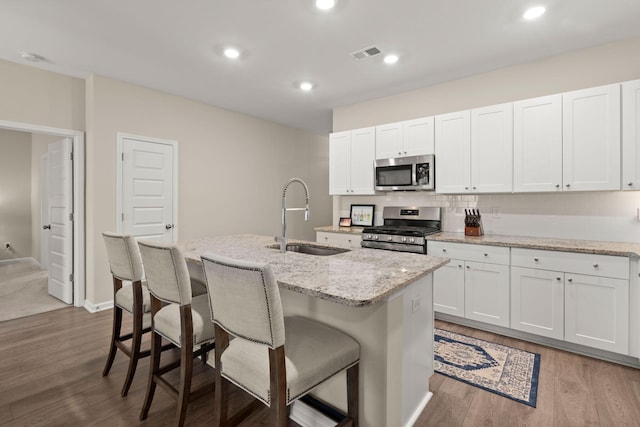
[325,4]
[231,53]
[306,86]
[391,59]
[32,57]
[534,12]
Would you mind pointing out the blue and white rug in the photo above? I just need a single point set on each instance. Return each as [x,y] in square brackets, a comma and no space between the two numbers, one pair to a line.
[503,370]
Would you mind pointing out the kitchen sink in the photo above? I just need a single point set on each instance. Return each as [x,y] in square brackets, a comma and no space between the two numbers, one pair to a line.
[305,248]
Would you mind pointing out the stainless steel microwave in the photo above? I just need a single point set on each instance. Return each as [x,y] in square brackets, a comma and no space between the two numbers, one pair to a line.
[405,173]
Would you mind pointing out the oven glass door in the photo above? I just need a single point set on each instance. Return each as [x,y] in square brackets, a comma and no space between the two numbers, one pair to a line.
[394,176]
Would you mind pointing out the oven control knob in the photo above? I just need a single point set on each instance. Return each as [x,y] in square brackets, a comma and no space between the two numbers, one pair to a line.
[368,237]
[404,240]
[412,240]
[389,239]
[375,237]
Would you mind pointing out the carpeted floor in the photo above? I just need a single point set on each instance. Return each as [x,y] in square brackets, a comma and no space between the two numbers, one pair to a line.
[500,369]
[23,289]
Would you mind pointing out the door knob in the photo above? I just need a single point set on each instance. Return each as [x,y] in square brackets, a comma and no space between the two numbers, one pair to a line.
[168,226]
[46,227]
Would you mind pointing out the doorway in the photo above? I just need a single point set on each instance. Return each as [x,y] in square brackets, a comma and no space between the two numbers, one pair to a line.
[76,204]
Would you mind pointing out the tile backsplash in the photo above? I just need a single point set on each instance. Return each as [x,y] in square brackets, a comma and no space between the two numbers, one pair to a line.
[606,215]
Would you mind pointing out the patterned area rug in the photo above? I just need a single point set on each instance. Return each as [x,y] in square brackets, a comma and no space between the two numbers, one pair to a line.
[503,370]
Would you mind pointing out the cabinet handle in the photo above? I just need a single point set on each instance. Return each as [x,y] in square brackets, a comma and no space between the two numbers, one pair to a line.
[474,188]
[630,184]
[569,279]
[568,185]
[399,153]
[557,185]
[444,250]
[466,188]
[468,266]
[536,259]
[558,278]
[459,265]
[595,266]
[486,254]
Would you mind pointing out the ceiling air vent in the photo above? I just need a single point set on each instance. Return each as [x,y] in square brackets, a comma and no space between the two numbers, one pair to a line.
[366,52]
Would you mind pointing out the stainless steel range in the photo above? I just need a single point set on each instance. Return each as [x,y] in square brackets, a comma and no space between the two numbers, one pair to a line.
[405,229]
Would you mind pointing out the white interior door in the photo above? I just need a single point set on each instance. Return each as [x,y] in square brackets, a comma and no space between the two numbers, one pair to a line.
[60,223]
[44,211]
[148,194]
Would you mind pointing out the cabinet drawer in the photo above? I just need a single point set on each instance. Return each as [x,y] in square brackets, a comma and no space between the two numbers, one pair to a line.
[347,240]
[469,252]
[570,262]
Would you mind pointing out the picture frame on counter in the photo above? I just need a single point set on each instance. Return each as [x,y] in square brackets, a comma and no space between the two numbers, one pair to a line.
[345,222]
[362,215]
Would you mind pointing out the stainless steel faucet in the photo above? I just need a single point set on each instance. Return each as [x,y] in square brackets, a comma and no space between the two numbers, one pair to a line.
[283,239]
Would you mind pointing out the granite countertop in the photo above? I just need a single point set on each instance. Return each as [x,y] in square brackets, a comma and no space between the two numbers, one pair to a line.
[335,229]
[564,245]
[358,278]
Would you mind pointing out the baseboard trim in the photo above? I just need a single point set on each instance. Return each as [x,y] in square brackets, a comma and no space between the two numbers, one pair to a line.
[26,259]
[94,308]
[549,342]
[414,417]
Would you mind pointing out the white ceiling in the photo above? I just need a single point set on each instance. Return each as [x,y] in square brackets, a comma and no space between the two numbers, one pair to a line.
[175,46]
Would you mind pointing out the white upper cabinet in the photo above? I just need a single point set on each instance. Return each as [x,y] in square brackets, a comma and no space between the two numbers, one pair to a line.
[537,144]
[492,149]
[474,150]
[631,135]
[453,152]
[591,139]
[408,138]
[351,155]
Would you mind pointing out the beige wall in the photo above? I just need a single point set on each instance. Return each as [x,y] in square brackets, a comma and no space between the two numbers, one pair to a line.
[231,168]
[15,194]
[34,96]
[610,63]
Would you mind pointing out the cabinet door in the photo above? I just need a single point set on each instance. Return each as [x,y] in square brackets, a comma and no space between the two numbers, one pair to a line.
[491,149]
[537,302]
[453,152]
[597,312]
[363,147]
[339,163]
[631,135]
[537,144]
[389,141]
[487,293]
[448,288]
[418,136]
[591,139]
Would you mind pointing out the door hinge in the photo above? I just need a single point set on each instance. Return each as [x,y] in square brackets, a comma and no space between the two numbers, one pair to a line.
[71,216]
[71,277]
[122,155]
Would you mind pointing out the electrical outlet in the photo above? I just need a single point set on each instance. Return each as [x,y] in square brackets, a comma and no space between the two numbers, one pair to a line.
[416,303]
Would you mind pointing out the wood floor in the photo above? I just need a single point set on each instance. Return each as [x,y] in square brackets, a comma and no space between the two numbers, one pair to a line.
[51,364]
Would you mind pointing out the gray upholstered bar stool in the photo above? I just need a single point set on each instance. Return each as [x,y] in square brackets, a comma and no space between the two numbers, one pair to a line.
[276,359]
[125,265]
[177,316]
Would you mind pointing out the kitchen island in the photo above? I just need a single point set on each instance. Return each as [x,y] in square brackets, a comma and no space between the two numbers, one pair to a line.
[381,298]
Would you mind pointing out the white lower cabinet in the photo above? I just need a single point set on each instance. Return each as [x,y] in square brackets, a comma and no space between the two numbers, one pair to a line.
[537,302]
[486,289]
[448,288]
[578,298]
[475,284]
[345,240]
[597,312]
